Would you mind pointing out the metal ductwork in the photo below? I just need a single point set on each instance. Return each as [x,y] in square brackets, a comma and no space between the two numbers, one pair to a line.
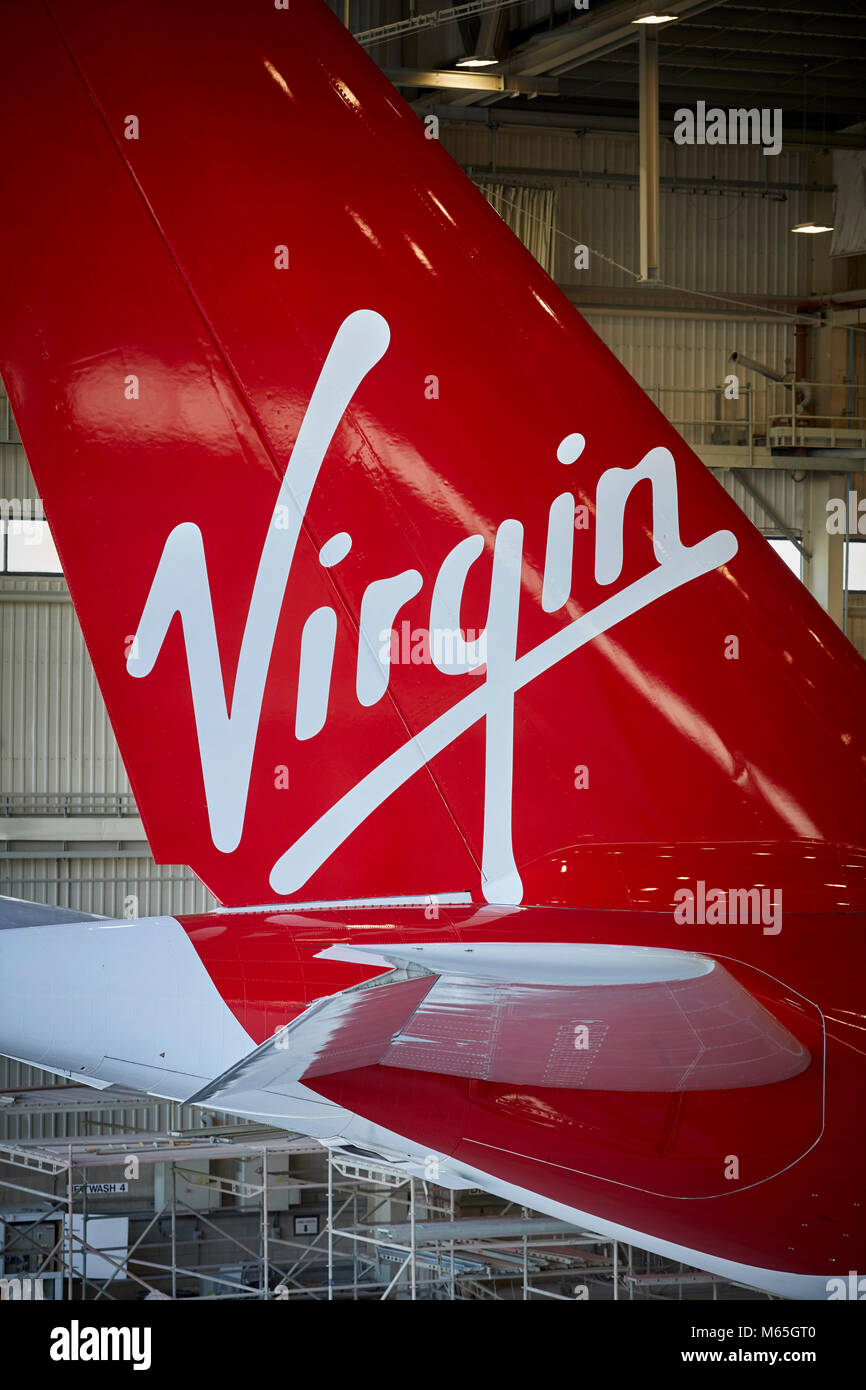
[761,368]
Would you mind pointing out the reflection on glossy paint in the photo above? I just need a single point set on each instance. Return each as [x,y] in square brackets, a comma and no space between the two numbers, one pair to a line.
[278,77]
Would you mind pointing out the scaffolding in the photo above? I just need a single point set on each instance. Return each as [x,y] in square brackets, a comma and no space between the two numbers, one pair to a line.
[241,1211]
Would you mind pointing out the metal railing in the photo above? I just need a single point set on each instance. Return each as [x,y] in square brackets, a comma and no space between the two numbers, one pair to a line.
[767,415]
[67,804]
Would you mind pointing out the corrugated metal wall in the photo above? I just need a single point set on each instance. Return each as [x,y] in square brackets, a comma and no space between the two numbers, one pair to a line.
[55,733]
[712,242]
[785,493]
[683,362]
[738,248]
[106,886]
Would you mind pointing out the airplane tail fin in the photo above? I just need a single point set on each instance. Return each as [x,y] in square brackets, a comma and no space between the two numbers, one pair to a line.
[394,581]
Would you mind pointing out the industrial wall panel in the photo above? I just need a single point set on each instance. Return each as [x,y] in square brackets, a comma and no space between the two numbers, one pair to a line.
[54,731]
[122,886]
[714,240]
[683,363]
[16,480]
[785,493]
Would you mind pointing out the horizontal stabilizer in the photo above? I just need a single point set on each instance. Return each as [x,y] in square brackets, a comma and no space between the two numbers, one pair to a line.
[607,1018]
[20,912]
[339,1033]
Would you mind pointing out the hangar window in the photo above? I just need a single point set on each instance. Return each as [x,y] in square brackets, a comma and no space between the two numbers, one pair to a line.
[787,551]
[27,548]
[857,565]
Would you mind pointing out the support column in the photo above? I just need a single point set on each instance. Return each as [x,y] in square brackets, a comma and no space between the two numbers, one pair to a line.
[69,1214]
[413,1273]
[649,155]
[330,1226]
[265,1220]
[823,574]
[173,1232]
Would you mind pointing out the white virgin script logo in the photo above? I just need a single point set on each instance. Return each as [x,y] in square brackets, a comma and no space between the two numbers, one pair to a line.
[227,739]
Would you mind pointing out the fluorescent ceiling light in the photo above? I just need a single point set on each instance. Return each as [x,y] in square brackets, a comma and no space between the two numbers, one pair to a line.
[656,19]
[811,228]
[476,62]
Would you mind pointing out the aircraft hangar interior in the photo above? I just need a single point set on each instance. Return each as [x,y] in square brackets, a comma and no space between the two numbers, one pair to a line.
[432,625]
